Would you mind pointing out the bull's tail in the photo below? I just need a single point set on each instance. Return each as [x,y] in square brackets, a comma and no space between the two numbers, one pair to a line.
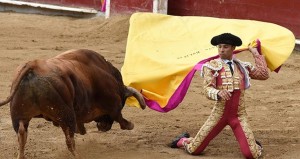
[133,92]
[22,71]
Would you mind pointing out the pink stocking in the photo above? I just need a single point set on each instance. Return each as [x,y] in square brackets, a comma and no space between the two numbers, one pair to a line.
[181,141]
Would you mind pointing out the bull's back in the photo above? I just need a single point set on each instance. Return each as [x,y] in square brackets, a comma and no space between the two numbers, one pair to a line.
[85,57]
[94,67]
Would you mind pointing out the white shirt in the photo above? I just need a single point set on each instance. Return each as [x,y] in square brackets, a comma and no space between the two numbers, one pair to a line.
[232,65]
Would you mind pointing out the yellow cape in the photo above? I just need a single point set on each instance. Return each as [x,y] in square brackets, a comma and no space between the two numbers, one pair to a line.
[163,49]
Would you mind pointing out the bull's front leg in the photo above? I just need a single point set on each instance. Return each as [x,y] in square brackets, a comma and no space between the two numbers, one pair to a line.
[124,124]
[80,128]
[104,123]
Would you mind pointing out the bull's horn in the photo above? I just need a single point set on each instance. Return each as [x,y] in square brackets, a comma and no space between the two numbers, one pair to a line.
[133,92]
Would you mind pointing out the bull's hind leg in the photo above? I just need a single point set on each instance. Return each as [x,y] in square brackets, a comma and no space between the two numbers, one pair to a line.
[68,125]
[70,141]
[21,130]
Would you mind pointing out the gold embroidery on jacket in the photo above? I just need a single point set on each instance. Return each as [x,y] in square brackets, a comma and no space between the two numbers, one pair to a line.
[230,82]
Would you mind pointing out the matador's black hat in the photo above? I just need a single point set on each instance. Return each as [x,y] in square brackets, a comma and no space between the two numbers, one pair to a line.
[226,38]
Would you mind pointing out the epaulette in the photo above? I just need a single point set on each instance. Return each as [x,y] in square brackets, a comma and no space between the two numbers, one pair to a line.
[214,65]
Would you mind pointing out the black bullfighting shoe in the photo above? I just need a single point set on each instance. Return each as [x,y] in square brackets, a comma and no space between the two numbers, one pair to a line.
[261,155]
[173,144]
[259,144]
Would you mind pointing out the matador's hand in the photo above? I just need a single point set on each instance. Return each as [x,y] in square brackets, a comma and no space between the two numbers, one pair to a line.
[224,94]
[253,50]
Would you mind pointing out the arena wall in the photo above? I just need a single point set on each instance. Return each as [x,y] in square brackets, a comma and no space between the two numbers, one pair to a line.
[281,12]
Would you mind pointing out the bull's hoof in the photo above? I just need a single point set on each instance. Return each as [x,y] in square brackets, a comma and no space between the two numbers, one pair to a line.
[80,129]
[104,123]
[80,132]
[21,157]
[128,126]
[55,124]
[104,126]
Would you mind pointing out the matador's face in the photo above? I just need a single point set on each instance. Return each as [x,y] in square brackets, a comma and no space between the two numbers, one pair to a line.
[225,51]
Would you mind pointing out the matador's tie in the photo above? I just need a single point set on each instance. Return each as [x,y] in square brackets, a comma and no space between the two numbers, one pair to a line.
[230,66]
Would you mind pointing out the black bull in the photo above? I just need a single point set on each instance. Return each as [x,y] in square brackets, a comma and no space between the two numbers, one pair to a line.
[73,88]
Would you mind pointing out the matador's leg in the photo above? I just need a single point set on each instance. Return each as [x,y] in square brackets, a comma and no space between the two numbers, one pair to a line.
[245,137]
[211,128]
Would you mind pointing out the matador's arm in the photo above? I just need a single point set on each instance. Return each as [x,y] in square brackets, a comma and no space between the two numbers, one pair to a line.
[209,72]
[260,70]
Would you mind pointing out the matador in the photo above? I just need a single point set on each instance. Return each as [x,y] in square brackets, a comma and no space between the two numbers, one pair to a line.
[225,81]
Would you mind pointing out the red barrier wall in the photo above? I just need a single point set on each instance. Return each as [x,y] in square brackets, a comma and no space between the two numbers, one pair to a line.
[95,4]
[283,12]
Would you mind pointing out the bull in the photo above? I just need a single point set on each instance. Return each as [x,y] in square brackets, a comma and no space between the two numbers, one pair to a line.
[70,89]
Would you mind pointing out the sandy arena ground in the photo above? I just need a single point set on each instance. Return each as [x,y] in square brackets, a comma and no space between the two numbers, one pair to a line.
[273,105]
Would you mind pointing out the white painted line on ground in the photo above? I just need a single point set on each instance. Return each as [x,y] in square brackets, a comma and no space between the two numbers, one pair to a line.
[48,6]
